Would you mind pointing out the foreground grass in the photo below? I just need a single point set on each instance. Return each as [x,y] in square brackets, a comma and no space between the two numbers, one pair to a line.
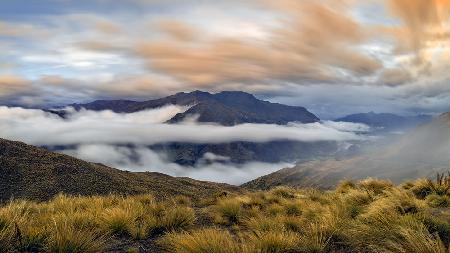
[367,216]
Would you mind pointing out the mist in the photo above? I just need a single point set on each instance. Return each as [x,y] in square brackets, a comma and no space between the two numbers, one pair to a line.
[147,127]
[121,140]
[210,168]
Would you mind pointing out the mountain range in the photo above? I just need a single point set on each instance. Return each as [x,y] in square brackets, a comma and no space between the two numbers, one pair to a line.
[421,152]
[386,121]
[230,108]
[35,173]
[227,108]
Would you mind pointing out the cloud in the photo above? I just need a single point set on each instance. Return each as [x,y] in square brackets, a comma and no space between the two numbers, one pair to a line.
[122,140]
[314,42]
[22,30]
[423,20]
[143,159]
[395,76]
[267,47]
[423,32]
[347,126]
[11,84]
[147,128]
[108,27]
[178,30]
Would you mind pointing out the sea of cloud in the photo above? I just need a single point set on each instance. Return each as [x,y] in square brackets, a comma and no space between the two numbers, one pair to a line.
[121,140]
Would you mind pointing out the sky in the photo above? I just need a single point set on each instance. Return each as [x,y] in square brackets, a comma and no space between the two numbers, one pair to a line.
[334,57]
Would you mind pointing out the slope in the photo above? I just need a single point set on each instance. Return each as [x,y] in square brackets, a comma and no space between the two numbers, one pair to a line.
[34,173]
[421,152]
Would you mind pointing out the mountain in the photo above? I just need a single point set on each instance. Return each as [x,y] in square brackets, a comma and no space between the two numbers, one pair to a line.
[35,173]
[226,108]
[420,153]
[241,152]
[386,121]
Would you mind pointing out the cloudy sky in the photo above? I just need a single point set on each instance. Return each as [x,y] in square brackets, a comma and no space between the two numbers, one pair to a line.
[332,56]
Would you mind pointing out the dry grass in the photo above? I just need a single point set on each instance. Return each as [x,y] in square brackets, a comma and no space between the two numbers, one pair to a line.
[367,216]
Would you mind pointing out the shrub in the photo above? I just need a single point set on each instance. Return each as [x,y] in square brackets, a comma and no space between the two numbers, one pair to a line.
[293,209]
[7,237]
[118,221]
[64,237]
[436,225]
[283,192]
[345,185]
[438,200]
[293,224]
[414,237]
[202,241]
[177,218]
[358,197]
[316,238]
[421,188]
[182,200]
[396,201]
[274,241]
[229,211]
[33,238]
[264,224]
[377,186]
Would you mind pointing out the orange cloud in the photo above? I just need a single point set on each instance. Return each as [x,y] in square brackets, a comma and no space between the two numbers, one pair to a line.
[395,76]
[10,84]
[424,20]
[108,27]
[177,30]
[315,43]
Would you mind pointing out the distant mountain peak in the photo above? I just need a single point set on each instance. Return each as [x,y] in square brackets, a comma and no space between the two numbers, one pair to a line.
[236,93]
[226,108]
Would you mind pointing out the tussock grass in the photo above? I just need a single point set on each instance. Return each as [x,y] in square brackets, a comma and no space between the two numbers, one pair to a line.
[369,216]
[203,241]
[274,241]
[85,224]
[228,211]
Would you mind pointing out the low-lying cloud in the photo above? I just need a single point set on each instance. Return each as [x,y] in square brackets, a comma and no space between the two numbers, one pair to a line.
[123,140]
[210,168]
[149,127]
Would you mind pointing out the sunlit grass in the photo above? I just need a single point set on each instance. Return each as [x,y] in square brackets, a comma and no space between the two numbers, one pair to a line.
[367,216]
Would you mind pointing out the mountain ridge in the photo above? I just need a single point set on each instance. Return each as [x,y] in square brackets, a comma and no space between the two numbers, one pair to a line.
[225,108]
[386,121]
[422,152]
[34,173]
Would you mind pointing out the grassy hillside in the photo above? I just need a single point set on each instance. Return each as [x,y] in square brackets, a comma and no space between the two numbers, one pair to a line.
[34,173]
[366,216]
[421,152]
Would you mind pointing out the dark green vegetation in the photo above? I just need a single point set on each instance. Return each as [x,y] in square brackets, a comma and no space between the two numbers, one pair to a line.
[37,174]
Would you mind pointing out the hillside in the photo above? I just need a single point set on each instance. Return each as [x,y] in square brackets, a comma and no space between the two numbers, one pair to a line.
[370,216]
[225,108]
[241,152]
[386,121]
[34,173]
[420,153]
